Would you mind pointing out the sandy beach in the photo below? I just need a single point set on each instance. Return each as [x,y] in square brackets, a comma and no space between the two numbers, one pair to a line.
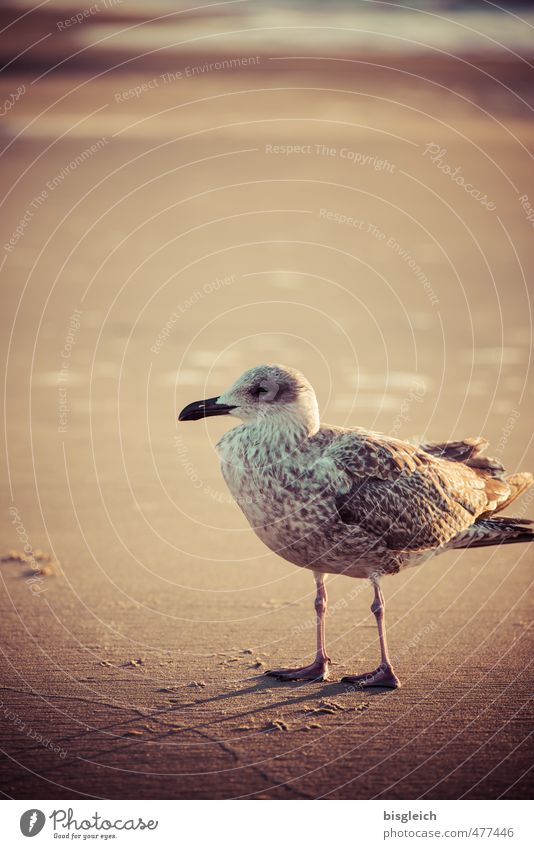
[160,236]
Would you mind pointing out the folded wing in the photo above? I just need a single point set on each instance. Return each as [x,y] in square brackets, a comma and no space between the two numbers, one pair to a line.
[413,498]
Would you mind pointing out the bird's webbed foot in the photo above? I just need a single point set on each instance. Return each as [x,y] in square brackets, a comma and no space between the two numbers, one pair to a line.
[383,676]
[316,671]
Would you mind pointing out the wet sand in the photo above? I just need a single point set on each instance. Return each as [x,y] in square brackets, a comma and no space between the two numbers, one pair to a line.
[220,222]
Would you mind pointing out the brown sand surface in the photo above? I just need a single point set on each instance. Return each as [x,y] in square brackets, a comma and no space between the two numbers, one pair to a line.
[136,669]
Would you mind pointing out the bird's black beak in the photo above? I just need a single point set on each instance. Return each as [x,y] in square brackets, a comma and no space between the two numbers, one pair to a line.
[203,409]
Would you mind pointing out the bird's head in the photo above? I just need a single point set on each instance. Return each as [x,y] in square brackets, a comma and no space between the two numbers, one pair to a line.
[264,393]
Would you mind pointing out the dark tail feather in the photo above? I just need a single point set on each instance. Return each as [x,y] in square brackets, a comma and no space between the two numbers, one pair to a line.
[499,530]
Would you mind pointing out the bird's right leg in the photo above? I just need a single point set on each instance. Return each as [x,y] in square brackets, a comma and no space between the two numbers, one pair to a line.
[383,675]
[318,670]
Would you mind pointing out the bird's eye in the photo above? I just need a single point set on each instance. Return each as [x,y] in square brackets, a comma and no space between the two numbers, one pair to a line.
[259,390]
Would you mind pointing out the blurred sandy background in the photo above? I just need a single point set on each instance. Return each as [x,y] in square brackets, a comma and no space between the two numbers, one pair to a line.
[345,188]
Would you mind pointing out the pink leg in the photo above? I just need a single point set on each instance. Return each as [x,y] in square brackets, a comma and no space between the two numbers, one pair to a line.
[318,670]
[384,675]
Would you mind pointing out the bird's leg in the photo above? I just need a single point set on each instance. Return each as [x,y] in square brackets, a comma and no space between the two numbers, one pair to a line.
[318,670]
[384,675]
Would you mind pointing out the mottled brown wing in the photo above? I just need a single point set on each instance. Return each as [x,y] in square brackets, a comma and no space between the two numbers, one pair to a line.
[398,493]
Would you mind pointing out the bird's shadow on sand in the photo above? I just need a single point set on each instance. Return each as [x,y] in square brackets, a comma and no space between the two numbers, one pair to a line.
[295,692]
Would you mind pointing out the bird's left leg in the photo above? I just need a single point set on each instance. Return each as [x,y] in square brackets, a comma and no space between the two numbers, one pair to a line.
[318,670]
[384,675]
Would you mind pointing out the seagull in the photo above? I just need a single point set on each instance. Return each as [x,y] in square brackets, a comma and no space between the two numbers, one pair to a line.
[349,501]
